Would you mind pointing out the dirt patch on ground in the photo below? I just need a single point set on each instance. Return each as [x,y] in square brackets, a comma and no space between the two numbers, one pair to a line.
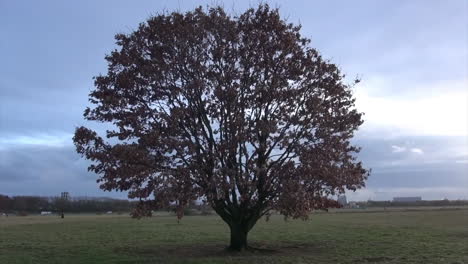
[374,260]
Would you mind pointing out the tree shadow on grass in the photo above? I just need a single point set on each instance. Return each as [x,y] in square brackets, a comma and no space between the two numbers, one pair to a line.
[218,250]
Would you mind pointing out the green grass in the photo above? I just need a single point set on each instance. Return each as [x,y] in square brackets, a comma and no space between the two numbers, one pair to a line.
[372,237]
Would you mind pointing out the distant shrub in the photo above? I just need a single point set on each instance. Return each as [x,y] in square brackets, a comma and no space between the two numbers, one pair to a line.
[22,213]
[206,212]
[188,211]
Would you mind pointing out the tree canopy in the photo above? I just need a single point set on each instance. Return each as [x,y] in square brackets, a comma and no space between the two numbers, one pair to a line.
[238,111]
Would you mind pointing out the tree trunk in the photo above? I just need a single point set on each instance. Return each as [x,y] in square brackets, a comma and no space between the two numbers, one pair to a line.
[238,237]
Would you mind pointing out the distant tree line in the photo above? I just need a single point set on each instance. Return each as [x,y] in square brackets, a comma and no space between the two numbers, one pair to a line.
[37,204]
[444,202]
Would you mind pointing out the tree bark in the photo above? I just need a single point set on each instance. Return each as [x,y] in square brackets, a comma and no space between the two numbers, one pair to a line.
[238,237]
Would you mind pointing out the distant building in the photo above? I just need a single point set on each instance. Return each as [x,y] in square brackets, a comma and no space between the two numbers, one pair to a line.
[407,199]
[342,200]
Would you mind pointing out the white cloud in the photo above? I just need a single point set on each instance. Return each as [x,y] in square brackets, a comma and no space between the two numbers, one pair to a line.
[41,139]
[398,149]
[442,112]
[417,150]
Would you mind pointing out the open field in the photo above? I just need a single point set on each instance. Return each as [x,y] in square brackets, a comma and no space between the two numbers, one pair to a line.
[435,236]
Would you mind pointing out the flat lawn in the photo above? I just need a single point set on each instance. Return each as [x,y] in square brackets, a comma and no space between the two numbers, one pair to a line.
[438,236]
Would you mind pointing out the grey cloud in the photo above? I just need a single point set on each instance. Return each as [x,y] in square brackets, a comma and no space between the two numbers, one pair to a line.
[41,110]
[437,166]
[41,169]
[382,151]
[45,171]
[32,162]
[420,176]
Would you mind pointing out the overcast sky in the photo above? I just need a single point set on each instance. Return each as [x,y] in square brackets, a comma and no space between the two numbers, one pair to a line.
[411,56]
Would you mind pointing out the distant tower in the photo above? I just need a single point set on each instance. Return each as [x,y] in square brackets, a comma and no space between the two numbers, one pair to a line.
[64,196]
[342,200]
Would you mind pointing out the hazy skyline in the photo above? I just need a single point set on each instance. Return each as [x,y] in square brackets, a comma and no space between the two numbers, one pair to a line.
[411,56]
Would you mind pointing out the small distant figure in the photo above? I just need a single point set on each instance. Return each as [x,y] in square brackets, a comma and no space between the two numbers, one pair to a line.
[62,215]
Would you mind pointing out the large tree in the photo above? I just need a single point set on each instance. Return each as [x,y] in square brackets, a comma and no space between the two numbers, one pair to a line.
[237,111]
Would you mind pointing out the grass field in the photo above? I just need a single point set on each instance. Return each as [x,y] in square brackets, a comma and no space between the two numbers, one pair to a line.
[437,236]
